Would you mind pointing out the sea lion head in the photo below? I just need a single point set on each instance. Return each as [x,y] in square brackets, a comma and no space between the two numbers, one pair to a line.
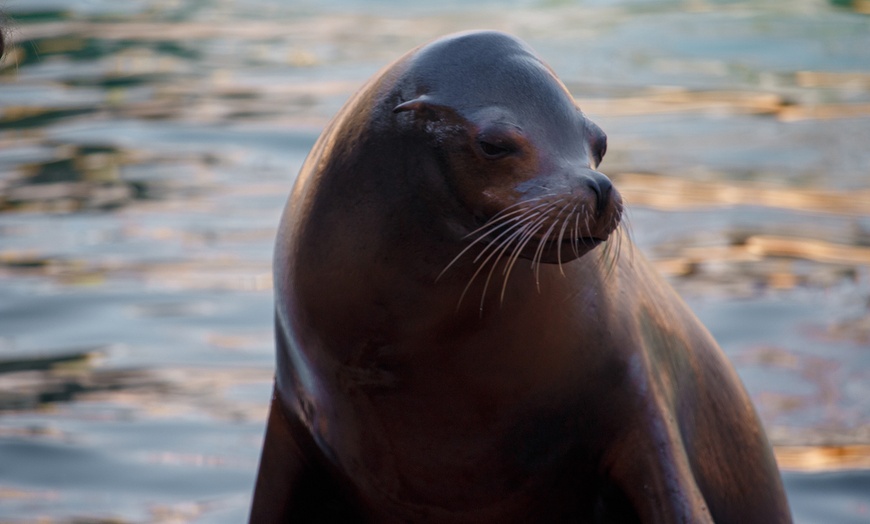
[520,155]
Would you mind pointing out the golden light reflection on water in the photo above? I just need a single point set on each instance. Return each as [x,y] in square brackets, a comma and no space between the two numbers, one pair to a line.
[659,101]
[755,254]
[766,246]
[756,248]
[28,495]
[822,458]
[180,392]
[671,193]
[219,274]
[852,80]
[824,112]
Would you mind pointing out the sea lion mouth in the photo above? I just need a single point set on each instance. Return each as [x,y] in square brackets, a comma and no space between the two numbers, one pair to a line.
[553,248]
[551,229]
[588,242]
[544,231]
[556,251]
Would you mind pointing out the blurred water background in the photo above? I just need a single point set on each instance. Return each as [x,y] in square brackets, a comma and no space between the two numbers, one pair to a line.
[147,148]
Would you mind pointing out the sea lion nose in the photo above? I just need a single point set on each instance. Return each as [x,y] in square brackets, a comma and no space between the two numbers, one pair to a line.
[602,187]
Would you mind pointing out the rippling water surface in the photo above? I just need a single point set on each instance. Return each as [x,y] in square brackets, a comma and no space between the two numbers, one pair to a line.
[147,147]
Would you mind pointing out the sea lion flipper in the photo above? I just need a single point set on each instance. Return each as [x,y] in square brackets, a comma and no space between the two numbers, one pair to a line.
[281,470]
[292,486]
[649,463]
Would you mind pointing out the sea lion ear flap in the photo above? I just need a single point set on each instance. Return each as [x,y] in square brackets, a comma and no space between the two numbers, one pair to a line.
[423,105]
[418,104]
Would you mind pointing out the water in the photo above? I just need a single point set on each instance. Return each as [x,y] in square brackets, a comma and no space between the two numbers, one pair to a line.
[146,149]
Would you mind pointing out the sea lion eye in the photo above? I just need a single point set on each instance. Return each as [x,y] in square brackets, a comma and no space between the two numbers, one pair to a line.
[597,143]
[493,150]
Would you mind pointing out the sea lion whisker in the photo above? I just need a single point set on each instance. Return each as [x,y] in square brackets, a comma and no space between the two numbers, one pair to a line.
[615,247]
[611,245]
[511,207]
[561,236]
[467,286]
[492,248]
[524,215]
[512,260]
[501,215]
[543,241]
[626,224]
[517,221]
[588,238]
[505,245]
[619,243]
[523,241]
[530,229]
[539,253]
[608,255]
[514,230]
[629,239]
[576,243]
[588,232]
[480,238]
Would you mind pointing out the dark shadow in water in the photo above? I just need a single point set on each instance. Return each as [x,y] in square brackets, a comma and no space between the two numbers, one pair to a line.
[82,177]
[34,118]
[33,382]
[87,49]
[40,15]
[47,362]
[859,6]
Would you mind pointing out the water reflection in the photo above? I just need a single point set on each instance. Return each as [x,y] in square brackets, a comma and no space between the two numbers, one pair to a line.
[146,149]
[859,6]
[31,382]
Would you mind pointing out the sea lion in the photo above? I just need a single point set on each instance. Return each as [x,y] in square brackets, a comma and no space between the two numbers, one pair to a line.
[456,345]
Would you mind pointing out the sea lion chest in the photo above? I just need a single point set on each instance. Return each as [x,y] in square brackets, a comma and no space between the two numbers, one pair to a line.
[473,414]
